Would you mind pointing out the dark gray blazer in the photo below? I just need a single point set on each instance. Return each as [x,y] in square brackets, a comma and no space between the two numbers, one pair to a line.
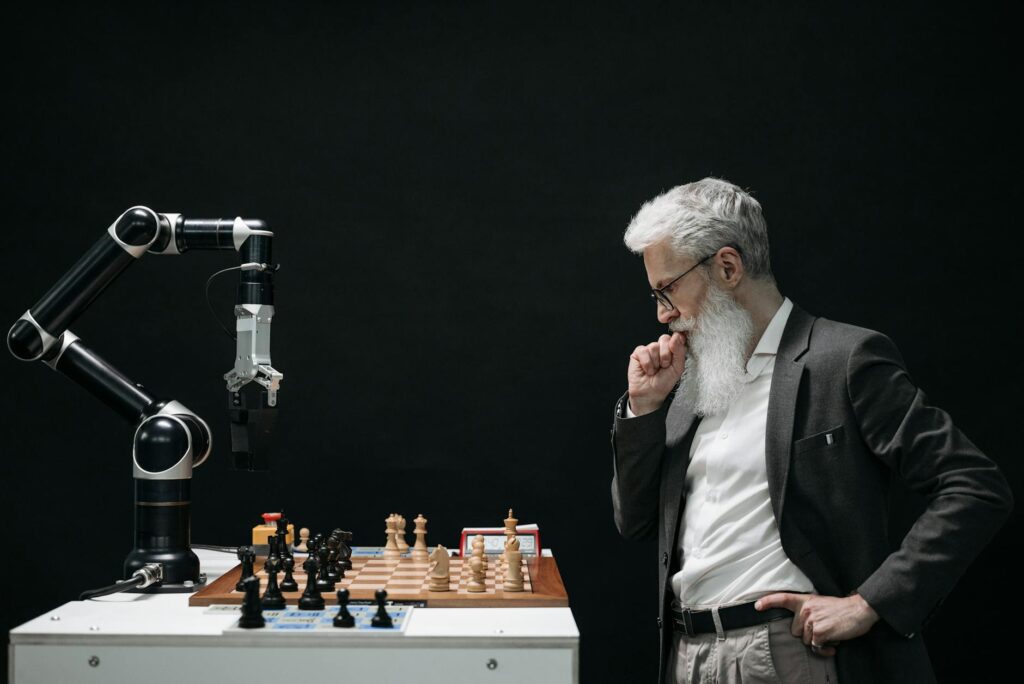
[830,500]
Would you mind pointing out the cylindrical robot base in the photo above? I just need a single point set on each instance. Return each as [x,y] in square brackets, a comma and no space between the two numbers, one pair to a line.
[162,519]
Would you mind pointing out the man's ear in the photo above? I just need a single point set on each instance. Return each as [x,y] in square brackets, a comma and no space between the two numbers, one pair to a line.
[730,266]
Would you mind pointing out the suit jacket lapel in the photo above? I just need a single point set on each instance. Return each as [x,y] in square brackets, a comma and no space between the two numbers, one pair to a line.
[789,368]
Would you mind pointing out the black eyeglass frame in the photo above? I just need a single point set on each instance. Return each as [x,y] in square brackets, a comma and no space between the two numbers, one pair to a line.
[661,297]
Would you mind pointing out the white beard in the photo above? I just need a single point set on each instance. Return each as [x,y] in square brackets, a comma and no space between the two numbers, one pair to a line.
[718,339]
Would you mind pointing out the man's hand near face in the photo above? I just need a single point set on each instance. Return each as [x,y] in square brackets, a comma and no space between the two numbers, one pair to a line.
[654,369]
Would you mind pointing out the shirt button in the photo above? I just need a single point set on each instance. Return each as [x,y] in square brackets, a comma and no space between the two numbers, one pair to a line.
[664,558]
[724,435]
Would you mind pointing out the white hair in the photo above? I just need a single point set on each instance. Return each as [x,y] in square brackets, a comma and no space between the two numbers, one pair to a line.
[700,218]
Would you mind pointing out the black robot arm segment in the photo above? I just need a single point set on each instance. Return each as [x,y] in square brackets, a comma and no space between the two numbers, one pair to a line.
[127,238]
[106,383]
[181,234]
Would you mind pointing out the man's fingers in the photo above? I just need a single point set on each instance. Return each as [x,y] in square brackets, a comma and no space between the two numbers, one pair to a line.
[639,356]
[781,600]
[790,602]
[668,352]
[677,344]
[665,351]
[654,349]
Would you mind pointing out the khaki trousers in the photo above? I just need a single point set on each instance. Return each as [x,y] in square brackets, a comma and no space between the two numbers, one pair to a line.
[761,654]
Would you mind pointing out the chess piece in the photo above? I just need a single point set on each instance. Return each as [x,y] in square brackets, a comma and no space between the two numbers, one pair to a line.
[419,549]
[341,553]
[381,619]
[343,618]
[288,583]
[391,550]
[252,610]
[247,555]
[333,571]
[344,551]
[311,598]
[403,545]
[324,581]
[272,545]
[282,538]
[315,544]
[439,572]
[514,573]
[510,531]
[478,567]
[272,598]
[302,546]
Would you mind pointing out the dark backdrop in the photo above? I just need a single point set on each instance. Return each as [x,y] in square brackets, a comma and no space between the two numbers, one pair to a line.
[449,185]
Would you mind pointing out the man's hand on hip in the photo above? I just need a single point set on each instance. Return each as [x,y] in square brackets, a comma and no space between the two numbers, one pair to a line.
[823,621]
[654,369]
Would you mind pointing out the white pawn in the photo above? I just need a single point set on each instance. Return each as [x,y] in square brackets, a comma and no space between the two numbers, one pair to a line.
[478,567]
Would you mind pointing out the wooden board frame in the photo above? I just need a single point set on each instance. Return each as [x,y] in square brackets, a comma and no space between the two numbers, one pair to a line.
[548,590]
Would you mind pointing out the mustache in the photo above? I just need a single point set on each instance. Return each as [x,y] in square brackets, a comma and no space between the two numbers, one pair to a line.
[683,325]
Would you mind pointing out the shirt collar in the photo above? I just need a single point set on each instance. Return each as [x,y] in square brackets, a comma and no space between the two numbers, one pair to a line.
[768,346]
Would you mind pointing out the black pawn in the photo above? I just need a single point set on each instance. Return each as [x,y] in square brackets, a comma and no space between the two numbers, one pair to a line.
[343,618]
[252,611]
[311,598]
[289,583]
[247,555]
[324,581]
[272,598]
[381,619]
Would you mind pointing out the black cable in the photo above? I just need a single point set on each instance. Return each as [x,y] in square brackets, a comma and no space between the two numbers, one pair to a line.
[123,585]
[210,304]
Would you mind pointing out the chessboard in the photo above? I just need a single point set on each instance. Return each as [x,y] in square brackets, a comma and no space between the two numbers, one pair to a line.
[405,579]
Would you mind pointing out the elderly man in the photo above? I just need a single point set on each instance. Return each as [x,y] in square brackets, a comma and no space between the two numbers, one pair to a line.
[756,442]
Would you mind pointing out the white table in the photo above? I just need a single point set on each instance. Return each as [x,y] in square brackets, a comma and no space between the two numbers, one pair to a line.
[158,638]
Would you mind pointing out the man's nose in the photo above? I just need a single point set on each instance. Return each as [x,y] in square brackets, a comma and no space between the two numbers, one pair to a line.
[665,315]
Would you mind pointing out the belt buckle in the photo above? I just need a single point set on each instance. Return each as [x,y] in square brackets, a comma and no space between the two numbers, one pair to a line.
[688,623]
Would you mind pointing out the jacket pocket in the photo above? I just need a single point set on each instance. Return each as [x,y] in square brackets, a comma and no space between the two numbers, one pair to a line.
[823,440]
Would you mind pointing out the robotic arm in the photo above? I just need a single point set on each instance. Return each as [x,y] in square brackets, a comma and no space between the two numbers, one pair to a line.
[170,440]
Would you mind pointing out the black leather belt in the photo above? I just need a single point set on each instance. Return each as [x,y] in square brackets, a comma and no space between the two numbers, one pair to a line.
[692,622]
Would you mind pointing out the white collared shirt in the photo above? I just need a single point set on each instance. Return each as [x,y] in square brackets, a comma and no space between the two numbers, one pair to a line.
[731,551]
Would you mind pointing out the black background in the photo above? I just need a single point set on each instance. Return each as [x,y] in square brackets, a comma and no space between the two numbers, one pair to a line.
[448,185]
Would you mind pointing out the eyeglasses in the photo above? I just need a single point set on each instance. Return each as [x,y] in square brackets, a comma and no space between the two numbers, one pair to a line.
[660,295]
